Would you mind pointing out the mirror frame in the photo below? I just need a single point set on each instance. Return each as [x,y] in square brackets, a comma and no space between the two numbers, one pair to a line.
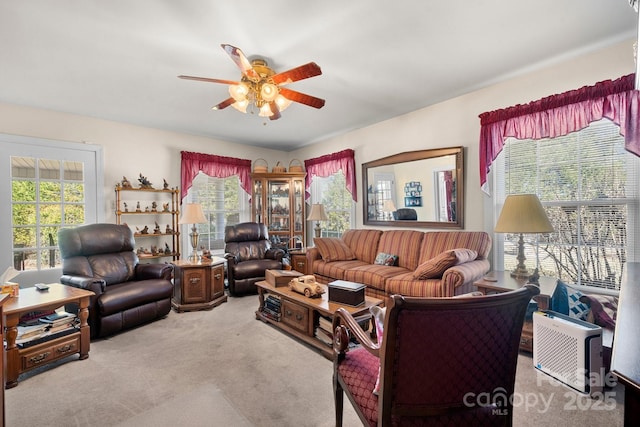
[412,156]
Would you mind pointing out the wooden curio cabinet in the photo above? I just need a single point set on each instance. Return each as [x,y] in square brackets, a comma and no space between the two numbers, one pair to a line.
[278,202]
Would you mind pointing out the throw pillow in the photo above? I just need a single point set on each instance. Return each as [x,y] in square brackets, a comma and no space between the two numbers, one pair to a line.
[566,300]
[333,249]
[465,255]
[604,309]
[436,266]
[386,259]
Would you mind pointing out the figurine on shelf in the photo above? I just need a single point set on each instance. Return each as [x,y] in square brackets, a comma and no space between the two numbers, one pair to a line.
[165,184]
[156,230]
[146,209]
[145,230]
[167,249]
[168,230]
[154,250]
[154,207]
[126,208]
[125,182]
[144,182]
[165,207]
[138,207]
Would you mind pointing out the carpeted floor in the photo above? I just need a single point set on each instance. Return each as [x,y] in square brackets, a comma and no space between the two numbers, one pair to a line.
[224,368]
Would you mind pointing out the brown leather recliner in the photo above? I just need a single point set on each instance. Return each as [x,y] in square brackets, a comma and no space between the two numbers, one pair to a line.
[100,258]
[249,254]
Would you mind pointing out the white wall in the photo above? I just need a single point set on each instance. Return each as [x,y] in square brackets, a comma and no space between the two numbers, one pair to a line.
[129,150]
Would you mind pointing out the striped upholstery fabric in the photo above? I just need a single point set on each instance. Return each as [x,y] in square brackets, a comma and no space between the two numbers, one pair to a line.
[434,243]
[363,243]
[405,284]
[373,275]
[336,269]
[333,249]
[405,244]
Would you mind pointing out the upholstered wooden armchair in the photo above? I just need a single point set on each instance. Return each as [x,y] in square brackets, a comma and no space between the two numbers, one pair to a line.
[440,361]
[249,254]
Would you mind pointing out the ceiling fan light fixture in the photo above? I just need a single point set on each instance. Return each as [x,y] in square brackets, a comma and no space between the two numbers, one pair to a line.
[268,91]
[241,105]
[265,111]
[282,102]
[239,92]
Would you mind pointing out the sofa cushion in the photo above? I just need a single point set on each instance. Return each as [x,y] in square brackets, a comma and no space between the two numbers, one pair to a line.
[566,300]
[386,259]
[336,269]
[373,275]
[363,243]
[603,309]
[405,244]
[333,249]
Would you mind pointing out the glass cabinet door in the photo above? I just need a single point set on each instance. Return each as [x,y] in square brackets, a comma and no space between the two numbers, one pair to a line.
[278,209]
[298,201]
[257,201]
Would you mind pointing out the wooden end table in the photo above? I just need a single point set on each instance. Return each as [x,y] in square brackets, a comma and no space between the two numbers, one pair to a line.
[198,285]
[300,315]
[299,260]
[501,281]
[19,360]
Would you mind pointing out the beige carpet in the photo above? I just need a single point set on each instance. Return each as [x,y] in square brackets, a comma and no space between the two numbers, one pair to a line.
[224,368]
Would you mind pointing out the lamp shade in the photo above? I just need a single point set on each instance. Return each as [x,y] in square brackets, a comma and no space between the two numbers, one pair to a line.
[388,206]
[192,214]
[317,213]
[523,213]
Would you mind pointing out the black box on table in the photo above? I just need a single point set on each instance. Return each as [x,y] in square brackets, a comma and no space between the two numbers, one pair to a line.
[344,292]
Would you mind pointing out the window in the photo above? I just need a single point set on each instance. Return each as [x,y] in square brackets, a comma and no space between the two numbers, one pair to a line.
[224,203]
[337,201]
[588,185]
[51,185]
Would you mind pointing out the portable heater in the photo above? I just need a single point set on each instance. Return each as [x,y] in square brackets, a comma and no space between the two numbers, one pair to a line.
[569,350]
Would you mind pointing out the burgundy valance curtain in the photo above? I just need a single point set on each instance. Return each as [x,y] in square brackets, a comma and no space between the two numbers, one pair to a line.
[329,164]
[215,166]
[561,114]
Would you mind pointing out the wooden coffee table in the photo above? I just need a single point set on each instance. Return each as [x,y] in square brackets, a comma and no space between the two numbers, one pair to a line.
[300,315]
[19,360]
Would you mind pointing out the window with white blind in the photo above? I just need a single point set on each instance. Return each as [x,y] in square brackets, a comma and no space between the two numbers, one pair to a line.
[337,201]
[588,184]
[224,203]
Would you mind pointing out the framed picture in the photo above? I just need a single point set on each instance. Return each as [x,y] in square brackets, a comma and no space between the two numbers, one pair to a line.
[413,201]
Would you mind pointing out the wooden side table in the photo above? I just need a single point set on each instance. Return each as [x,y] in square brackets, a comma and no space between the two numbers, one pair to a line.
[198,285]
[501,281]
[299,260]
[19,360]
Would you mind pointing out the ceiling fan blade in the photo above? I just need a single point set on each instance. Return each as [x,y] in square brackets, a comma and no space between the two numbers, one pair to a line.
[224,104]
[299,73]
[207,79]
[241,61]
[275,111]
[302,98]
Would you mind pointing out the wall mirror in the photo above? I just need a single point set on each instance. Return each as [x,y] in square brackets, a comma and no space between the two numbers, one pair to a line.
[422,188]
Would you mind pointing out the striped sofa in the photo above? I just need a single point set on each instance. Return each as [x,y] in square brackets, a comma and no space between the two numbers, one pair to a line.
[413,249]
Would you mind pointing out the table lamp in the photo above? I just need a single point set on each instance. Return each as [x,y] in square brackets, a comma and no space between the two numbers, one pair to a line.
[522,213]
[317,214]
[192,214]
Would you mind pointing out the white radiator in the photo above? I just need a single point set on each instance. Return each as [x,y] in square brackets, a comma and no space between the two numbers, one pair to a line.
[569,350]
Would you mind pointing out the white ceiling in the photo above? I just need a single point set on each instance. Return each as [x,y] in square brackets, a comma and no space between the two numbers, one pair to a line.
[119,59]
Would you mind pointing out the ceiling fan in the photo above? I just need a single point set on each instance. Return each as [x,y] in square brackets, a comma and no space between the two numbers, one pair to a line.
[262,87]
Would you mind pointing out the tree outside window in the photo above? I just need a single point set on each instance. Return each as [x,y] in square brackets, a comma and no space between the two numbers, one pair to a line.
[337,201]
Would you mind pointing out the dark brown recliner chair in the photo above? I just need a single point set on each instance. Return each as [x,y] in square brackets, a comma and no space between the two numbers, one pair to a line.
[249,254]
[101,259]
